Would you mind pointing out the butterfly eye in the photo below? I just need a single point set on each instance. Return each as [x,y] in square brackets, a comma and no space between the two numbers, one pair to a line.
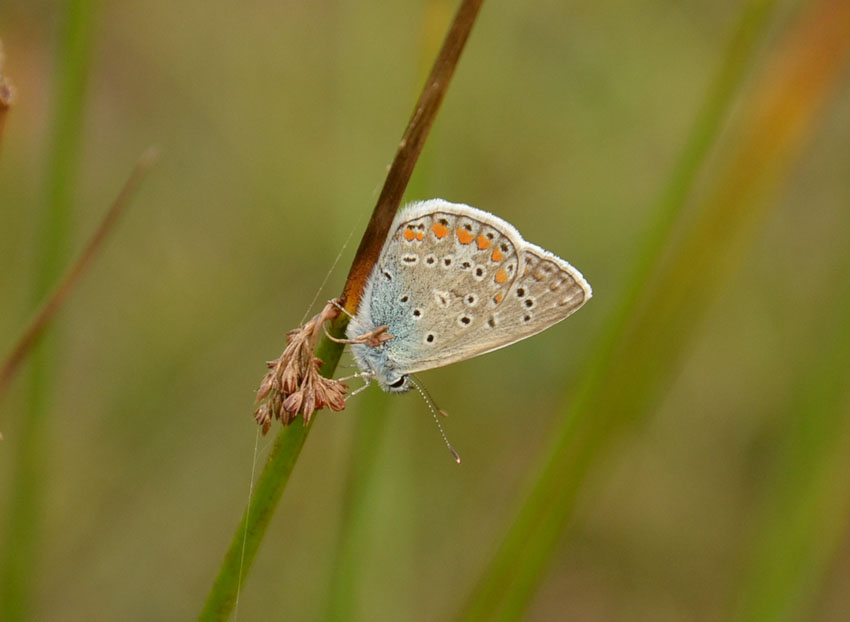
[398,383]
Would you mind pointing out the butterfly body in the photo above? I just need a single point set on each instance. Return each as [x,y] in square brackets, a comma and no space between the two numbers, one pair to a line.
[453,282]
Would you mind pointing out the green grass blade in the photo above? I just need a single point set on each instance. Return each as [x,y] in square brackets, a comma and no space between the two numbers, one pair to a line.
[647,336]
[23,530]
[267,492]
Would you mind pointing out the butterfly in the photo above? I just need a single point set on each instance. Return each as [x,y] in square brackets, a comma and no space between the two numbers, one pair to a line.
[453,282]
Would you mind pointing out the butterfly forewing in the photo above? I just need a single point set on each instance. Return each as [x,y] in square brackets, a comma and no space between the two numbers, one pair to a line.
[463,282]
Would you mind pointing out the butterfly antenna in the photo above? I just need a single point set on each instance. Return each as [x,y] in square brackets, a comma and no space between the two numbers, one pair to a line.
[328,275]
[434,410]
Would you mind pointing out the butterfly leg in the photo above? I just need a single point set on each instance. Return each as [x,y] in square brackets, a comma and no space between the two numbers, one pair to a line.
[372,339]
[367,380]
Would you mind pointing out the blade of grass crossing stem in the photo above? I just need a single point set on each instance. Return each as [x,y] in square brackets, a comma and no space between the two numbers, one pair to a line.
[22,529]
[806,510]
[637,357]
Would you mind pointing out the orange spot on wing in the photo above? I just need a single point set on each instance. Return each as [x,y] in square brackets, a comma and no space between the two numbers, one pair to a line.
[483,243]
[497,298]
[464,236]
[420,235]
[501,276]
[497,255]
[440,230]
[409,235]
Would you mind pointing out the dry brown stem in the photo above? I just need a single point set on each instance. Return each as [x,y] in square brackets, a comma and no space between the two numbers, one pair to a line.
[293,382]
[53,303]
[408,152]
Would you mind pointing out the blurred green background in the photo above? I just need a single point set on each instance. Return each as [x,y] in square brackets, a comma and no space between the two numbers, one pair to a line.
[276,122]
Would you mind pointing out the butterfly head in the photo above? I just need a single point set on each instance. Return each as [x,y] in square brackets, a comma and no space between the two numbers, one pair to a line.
[401,384]
[376,364]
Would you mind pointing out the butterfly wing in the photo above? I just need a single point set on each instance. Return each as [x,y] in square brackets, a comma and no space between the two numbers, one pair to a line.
[454,282]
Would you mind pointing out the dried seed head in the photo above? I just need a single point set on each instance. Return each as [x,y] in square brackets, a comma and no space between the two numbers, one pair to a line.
[287,418]
[292,404]
[265,387]
[334,394]
[289,380]
[293,383]
[263,417]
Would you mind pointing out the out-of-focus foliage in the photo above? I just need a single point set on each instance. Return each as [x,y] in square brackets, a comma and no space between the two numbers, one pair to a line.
[275,123]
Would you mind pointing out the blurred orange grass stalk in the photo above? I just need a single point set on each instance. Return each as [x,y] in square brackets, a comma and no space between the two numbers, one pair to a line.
[628,374]
[777,123]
